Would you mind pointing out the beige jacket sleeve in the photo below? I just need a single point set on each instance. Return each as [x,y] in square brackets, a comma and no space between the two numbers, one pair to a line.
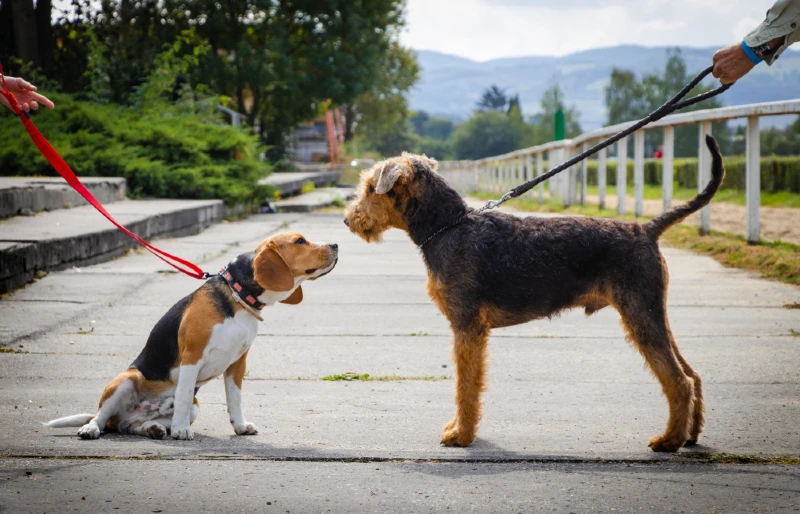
[783,20]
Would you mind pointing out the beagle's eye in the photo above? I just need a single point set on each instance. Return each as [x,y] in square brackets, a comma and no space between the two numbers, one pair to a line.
[301,241]
[371,189]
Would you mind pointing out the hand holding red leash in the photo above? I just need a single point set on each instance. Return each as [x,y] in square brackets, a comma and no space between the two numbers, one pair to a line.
[49,153]
[25,94]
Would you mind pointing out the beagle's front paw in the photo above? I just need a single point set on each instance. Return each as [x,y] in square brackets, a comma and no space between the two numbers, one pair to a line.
[246,428]
[182,433]
[89,431]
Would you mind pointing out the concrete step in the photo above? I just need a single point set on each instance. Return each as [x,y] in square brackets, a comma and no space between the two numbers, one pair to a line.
[291,183]
[81,236]
[29,195]
[308,202]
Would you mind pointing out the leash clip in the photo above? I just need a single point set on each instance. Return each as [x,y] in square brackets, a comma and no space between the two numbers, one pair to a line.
[491,204]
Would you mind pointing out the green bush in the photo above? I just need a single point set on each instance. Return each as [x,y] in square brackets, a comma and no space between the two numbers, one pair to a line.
[777,173]
[161,153]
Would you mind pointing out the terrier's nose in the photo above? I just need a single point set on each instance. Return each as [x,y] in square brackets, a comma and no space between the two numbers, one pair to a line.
[346,222]
[334,246]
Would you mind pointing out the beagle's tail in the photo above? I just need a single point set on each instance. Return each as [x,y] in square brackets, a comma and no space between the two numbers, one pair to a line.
[78,420]
[656,226]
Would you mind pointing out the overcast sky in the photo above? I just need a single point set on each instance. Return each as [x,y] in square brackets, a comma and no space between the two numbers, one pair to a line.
[488,29]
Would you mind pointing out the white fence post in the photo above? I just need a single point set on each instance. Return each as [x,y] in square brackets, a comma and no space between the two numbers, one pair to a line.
[539,171]
[584,172]
[601,178]
[638,172]
[704,175]
[667,165]
[753,180]
[622,174]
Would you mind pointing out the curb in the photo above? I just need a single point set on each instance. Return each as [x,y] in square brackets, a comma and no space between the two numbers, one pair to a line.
[21,260]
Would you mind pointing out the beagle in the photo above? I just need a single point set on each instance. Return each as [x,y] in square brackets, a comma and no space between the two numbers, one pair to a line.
[203,336]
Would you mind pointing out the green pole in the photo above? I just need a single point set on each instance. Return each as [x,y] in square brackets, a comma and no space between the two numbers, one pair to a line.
[558,125]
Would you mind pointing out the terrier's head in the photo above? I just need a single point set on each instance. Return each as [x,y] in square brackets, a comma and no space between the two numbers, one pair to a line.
[385,192]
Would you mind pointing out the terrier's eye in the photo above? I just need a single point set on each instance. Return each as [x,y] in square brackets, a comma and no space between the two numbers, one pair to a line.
[301,241]
[371,189]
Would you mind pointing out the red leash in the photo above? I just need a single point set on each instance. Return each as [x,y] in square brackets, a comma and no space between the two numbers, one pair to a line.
[64,170]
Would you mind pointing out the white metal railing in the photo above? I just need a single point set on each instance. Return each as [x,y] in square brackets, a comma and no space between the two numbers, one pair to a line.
[503,172]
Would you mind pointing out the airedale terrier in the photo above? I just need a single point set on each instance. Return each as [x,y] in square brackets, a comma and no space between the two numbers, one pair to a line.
[497,270]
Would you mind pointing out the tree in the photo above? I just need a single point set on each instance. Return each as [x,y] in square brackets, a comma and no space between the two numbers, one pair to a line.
[543,123]
[493,99]
[485,134]
[628,100]
[381,113]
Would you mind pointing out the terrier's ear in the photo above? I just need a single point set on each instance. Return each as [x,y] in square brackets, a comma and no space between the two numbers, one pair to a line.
[388,175]
[295,298]
[431,163]
[271,271]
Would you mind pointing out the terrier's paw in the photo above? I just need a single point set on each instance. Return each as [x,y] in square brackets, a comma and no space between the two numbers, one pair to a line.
[457,437]
[157,431]
[246,429]
[664,444]
[89,431]
[182,433]
[449,426]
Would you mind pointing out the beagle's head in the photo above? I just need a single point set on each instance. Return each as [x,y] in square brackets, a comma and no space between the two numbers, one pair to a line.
[284,261]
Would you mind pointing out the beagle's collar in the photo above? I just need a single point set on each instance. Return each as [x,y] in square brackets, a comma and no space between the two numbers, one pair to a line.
[240,293]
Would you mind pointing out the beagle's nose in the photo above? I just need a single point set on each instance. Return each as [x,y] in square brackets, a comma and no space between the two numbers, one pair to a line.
[334,246]
[346,222]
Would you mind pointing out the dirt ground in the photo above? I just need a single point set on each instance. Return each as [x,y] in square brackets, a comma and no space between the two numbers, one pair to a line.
[776,223]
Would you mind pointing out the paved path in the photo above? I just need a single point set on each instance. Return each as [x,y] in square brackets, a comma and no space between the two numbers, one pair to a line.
[568,413]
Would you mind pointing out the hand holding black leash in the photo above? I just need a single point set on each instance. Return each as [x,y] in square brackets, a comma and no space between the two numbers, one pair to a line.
[669,107]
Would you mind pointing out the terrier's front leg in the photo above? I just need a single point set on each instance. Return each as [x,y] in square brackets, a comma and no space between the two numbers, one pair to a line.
[184,397]
[233,395]
[469,354]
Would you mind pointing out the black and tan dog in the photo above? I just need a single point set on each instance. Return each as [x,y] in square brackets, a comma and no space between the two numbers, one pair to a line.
[497,270]
[203,336]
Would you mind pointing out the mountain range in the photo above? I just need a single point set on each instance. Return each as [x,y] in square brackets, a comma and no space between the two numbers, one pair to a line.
[451,86]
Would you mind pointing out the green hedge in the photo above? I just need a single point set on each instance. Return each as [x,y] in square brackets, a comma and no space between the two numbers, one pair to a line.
[161,154]
[777,173]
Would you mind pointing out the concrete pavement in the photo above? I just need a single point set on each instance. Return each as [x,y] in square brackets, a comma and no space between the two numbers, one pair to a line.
[568,412]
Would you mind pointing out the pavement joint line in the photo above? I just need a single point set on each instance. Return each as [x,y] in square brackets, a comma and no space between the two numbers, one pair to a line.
[695,459]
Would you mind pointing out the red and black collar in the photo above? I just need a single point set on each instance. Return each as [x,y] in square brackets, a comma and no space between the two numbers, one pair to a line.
[239,291]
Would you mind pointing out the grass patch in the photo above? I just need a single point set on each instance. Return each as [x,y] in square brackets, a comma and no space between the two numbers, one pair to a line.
[730,458]
[12,350]
[308,187]
[366,377]
[794,332]
[776,260]
[651,192]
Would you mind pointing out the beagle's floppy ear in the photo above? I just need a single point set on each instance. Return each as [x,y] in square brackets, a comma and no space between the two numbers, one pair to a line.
[388,175]
[271,271]
[295,298]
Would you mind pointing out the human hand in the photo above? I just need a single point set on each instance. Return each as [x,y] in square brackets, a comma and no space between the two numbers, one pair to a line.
[731,64]
[26,95]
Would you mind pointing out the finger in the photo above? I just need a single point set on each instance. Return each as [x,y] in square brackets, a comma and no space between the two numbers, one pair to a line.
[43,100]
[34,105]
[25,106]
[716,72]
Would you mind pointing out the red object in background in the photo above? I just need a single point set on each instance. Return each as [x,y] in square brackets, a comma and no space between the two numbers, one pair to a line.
[65,171]
[659,153]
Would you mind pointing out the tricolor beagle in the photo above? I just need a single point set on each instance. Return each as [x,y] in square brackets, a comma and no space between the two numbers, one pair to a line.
[203,336]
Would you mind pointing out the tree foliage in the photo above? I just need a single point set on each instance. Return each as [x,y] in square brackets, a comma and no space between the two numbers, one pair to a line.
[280,61]
[493,99]
[629,99]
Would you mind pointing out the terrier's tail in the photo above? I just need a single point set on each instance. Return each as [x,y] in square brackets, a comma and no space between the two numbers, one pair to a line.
[78,420]
[657,226]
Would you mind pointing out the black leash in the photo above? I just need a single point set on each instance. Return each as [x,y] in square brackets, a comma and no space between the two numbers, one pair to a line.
[669,107]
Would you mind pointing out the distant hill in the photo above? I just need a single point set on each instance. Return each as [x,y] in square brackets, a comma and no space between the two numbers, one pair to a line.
[452,85]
